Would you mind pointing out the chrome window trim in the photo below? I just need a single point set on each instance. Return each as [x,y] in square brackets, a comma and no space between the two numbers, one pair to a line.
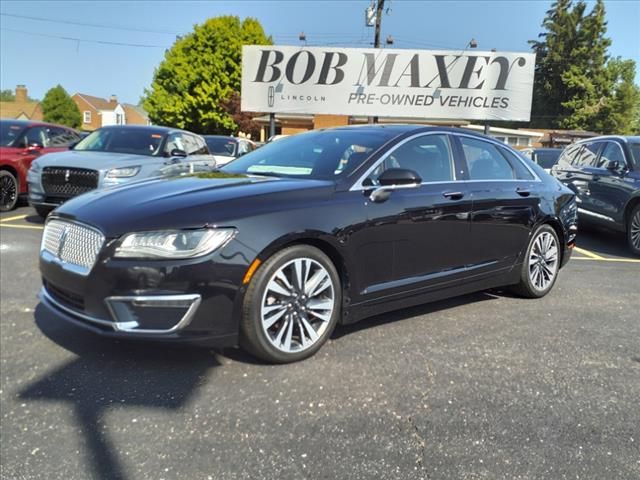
[358,187]
[127,327]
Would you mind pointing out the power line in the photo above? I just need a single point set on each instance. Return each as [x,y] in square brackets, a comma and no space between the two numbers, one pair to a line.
[84,40]
[83,24]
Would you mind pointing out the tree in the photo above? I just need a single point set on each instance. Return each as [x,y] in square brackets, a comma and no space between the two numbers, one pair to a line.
[243,120]
[621,110]
[58,107]
[199,72]
[7,96]
[576,85]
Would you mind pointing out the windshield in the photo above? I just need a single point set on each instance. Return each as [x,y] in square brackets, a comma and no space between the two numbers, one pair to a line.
[546,158]
[9,132]
[137,141]
[315,155]
[222,146]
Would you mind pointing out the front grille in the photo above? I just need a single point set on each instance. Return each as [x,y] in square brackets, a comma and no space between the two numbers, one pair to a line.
[72,243]
[66,298]
[68,182]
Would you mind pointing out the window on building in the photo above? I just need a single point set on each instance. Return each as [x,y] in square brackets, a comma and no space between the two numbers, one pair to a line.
[119,119]
[86,116]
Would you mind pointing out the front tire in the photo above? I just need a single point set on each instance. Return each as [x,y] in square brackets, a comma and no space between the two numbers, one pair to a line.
[8,191]
[541,264]
[633,230]
[292,305]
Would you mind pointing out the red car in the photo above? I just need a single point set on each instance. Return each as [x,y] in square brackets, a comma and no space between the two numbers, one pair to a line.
[22,141]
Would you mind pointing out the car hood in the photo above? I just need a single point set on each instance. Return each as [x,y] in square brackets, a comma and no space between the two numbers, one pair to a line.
[92,160]
[215,198]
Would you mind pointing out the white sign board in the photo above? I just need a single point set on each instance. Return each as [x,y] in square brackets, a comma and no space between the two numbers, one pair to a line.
[434,84]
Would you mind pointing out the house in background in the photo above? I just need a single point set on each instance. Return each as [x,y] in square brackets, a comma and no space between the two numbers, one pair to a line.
[99,112]
[21,108]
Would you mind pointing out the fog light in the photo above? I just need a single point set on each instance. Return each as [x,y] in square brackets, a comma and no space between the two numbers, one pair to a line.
[152,314]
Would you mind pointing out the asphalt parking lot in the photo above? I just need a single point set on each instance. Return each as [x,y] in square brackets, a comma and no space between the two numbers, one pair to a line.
[482,386]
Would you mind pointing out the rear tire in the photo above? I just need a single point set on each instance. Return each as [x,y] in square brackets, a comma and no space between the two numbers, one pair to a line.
[633,230]
[541,264]
[43,211]
[9,189]
[292,305]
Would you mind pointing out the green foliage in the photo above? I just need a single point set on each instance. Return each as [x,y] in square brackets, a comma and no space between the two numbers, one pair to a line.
[201,71]
[576,85]
[58,107]
[7,96]
[620,112]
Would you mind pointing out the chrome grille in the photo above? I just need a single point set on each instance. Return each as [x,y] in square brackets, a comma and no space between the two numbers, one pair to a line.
[72,243]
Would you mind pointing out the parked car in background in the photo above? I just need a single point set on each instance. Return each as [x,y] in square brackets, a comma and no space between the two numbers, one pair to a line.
[225,149]
[545,157]
[22,141]
[274,138]
[327,227]
[112,156]
[604,172]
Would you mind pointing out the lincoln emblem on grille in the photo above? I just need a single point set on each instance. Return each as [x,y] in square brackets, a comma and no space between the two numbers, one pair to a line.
[63,238]
[67,173]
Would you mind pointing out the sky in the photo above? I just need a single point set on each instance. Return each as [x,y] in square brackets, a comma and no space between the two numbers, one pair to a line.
[32,52]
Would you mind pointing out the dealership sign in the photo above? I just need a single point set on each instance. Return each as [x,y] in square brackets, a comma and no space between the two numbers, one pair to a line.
[435,84]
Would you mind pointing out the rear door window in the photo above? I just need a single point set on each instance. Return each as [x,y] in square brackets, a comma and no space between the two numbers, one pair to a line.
[522,172]
[484,160]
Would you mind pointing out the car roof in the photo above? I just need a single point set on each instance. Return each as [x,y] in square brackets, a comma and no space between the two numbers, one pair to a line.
[623,138]
[401,128]
[155,128]
[228,137]
[33,123]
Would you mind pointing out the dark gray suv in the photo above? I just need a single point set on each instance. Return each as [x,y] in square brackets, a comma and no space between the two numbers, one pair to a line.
[604,172]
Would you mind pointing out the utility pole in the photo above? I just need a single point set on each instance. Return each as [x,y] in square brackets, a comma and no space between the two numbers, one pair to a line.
[376,39]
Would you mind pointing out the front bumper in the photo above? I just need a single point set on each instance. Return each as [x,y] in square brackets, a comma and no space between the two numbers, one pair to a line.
[196,300]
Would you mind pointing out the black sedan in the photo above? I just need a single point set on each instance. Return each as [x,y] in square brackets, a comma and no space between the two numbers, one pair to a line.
[321,228]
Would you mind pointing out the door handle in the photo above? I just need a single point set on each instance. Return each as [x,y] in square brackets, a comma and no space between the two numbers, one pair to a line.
[453,195]
[569,175]
[596,178]
[523,192]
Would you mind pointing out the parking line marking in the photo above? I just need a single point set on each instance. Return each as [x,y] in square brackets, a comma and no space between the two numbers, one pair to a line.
[602,259]
[592,255]
[17,217]
[32,227]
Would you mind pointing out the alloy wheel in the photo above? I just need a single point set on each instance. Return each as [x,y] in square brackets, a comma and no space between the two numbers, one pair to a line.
[8,191]
[635,230]
[297,305]
[543,261]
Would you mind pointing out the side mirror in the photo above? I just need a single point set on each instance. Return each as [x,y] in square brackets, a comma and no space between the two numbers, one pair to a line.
[34,148]
[176,152]
[399,177]
[613,166]
[394,179]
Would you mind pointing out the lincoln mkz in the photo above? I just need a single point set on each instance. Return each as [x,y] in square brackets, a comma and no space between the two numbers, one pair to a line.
[274,250]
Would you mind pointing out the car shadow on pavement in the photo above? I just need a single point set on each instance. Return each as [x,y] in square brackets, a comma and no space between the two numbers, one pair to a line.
[116,374]
[406,313]
[602,241]
[35,219]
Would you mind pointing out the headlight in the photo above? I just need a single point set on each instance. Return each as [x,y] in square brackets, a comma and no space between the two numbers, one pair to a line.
[124,172]
[35,167]
[173,243]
